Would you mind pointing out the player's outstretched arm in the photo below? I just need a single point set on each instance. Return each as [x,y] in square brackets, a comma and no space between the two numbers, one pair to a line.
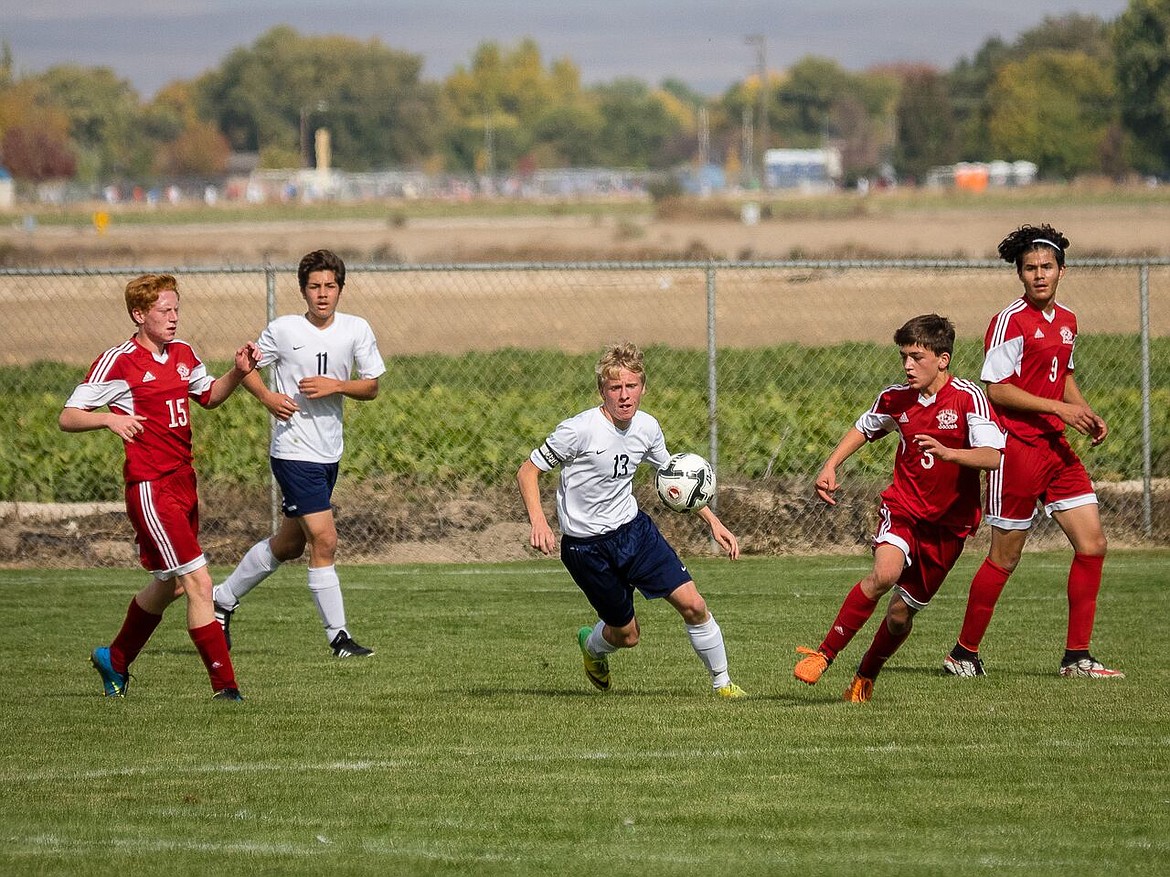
[826,483]
[528,481]
[247,357]
[722,535]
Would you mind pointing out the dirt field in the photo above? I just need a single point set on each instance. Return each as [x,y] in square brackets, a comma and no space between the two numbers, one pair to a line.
[1121,230]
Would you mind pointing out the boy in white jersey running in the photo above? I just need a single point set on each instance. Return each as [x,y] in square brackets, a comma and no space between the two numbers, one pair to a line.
[608,545]
[320,357]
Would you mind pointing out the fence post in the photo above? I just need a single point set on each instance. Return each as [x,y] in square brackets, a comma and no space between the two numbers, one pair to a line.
[1147,472]
[270,309]
[712,385]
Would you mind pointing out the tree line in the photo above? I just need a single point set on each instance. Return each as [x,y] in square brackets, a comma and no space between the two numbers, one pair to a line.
[1077,95]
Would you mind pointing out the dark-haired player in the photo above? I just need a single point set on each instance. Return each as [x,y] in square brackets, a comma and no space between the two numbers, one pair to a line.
[147,384]
[947,434]
[1028,368]
[319,357]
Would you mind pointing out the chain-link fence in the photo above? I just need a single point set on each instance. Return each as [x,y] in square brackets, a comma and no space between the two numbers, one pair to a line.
[760,366]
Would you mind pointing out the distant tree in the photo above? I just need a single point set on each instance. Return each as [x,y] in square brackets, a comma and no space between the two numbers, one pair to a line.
[188,145]
[105,118]
[682,92]
[567,135]
[1141,44]
[1054,108]
[540,113]
[637,125]
[1074,32]
[805,101]
[37,153]
[969,83]
[199,151]
[370,98]
[926,133]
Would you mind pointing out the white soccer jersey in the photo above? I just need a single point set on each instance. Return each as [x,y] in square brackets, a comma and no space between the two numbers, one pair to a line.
[595,494]
[297,349]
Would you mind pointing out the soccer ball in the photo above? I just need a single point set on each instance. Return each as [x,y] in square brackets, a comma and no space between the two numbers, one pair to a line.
[686,483]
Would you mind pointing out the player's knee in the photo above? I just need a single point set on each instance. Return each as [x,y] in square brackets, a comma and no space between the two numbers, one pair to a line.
[323,547]
[1094,546]
[624,637]
[287,551]
[899,617]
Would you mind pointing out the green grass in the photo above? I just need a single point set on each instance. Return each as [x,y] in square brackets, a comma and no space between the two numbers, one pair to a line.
[471,743]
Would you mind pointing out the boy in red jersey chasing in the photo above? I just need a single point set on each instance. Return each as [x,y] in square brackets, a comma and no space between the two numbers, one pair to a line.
[147,384]
[947,434]
[1028,368]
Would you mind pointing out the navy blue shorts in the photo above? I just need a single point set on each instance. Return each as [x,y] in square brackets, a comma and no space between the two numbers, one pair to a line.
[305,487]
[609,567]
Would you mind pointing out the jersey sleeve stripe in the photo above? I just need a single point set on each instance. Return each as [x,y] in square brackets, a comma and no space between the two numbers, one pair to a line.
[106,361]
[1002,321]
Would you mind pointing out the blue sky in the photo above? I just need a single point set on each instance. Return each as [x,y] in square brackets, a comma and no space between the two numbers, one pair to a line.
[702,42]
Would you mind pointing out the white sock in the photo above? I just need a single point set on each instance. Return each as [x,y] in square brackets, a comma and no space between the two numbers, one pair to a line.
[326,590]
[597,644]
[257,565]
[707,641]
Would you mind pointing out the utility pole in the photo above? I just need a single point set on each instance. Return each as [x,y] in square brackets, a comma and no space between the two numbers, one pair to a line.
[761,128]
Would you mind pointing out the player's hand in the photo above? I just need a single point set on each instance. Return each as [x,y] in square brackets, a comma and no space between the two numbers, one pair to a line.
[827,485]
[1099,429]
[280,406]
[126,426]
[727,539]
[542,538]
[932,447]
[1084,420]
[318,386]
[248,357]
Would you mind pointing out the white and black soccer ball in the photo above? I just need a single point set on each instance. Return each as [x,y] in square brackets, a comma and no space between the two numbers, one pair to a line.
[686,483]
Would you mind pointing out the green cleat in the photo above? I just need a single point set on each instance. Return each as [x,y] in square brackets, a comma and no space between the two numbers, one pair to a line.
[731,691]
[597,669]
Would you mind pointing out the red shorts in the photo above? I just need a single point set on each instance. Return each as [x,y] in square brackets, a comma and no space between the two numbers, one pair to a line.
[930,552]
[1050,473]
[165,517]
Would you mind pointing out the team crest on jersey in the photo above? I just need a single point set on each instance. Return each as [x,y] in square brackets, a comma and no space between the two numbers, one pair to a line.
[948,419]
[1066,335]
[183,371]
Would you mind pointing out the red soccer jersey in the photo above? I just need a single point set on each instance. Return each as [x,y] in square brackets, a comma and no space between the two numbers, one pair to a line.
[1034,352]
[924,487]
[131,380]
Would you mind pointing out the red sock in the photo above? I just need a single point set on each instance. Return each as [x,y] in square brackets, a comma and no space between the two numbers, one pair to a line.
[854,612]
[985,590]
[136,630]
[1084,581]
[212,648]
[881,650]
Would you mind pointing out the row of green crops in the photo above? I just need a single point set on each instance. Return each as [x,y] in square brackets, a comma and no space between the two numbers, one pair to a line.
[460,421]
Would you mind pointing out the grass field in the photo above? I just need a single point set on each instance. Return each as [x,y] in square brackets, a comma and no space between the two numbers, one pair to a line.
[472,743]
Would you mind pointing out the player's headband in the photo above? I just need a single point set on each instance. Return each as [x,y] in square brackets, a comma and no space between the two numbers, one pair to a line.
[1045,241]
